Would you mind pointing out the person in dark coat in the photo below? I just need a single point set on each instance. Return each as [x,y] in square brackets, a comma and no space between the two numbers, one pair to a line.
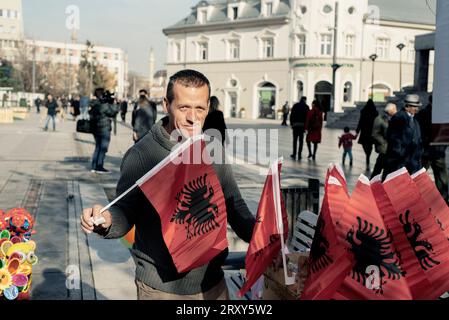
[143,95]
[380,128]
[365,129]
[123,109]
[433,156]
[298,118]
[285,112]
[75,103]
[215,119]
[38,103]
[314,126]
[144,118]
[101,115]
[52,107]
[404,139]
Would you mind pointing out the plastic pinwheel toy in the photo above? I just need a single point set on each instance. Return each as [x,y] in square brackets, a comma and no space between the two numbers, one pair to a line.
[16,254]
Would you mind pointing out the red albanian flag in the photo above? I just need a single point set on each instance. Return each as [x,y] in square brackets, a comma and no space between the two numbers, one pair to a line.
[186,193]
[423,246]
[336,171]
[435,202]
[271,225]
[376,273]
[328,262]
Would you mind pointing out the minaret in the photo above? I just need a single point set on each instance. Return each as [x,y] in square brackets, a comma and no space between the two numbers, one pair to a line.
[151,61]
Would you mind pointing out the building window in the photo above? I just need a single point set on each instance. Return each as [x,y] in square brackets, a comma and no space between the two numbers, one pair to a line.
[269,9]
[326,44]
[177,52]
[349,45]
[202,16]
[303,9]
[411,51]
[1,12]
[105,56]
[204,48]
[383,48]
[268,48]
[233,13]
[117,56]
[234,49]
[351,10]
[58,51]
[327,9]
[300,89]
[301,45]
[347,92]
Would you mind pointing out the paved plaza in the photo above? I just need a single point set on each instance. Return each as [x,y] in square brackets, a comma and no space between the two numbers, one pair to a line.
[48,174]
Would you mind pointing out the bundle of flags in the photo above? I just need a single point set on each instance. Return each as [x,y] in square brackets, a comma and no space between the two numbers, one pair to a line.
[387,241]
[16,254]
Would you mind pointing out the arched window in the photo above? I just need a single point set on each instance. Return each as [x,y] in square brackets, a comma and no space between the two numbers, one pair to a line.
[347,92]
[300,89]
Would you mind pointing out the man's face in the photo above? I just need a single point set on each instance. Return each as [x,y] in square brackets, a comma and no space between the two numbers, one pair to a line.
[188,109]
[50,97]
[412,110]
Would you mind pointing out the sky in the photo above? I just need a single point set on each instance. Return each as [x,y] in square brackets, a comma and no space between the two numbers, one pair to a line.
[133,25]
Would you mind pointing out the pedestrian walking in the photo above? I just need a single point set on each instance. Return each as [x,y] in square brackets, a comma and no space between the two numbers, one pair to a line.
[215,119]
[404,139]
[433,156]
[123,109]
[52,107]
[365,128]
[380,128]
[187,103]
[144,118]
[285,112]
[38,103]
[75,103]
[298,118]
[346,141]
[314,126]
[101,113]
[143,95]
[84,106]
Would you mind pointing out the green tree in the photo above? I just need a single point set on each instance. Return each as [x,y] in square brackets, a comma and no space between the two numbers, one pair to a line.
[9,76]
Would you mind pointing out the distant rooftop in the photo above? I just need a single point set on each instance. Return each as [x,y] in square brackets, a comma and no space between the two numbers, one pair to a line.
[409,11]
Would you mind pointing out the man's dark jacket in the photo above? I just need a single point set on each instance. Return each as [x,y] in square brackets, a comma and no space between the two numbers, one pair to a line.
[299,114]
[101,115]
[404,144]
[51,106]
[144,120]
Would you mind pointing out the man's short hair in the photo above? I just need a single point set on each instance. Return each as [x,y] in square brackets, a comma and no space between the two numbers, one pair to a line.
[143,90]
[346,129]
[186,78]
[99,92]
[390,107]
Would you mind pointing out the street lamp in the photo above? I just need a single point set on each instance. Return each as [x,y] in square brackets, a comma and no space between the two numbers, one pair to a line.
[373,58]
[400,47]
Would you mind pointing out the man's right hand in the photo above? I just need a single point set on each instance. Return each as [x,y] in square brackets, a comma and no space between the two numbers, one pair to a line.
[90,215]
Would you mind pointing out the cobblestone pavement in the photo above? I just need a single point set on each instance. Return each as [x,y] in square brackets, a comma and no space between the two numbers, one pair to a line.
[48,173]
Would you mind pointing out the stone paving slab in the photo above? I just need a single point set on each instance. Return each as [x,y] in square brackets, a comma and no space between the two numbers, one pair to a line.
[112,264]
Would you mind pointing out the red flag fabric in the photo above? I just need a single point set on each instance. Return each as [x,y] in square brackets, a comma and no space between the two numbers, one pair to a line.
[266,240]
[328,262]
[186,193]
[423,246]
[435,202]
[336,171]
[376,273]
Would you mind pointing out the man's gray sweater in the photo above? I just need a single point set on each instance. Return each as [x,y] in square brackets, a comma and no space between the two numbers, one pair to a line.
[154,265]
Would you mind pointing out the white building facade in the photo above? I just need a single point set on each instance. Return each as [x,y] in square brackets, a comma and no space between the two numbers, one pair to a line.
[258,54]
[114,59]
[12,40]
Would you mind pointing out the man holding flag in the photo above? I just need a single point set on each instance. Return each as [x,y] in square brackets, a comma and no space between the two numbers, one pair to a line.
[162,267]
